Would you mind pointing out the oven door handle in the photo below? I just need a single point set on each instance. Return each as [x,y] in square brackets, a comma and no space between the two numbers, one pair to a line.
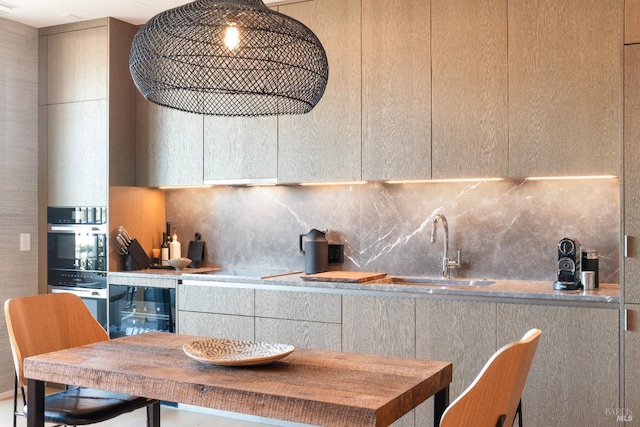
[76,229]
[83,293]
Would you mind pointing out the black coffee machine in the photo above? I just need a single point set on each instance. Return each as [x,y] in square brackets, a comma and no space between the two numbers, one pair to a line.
[569,257]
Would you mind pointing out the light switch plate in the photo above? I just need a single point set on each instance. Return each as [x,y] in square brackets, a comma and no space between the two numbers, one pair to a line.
[25,242]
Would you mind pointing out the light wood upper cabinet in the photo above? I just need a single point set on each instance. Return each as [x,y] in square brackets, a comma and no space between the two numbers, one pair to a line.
[78,64]
[396,90]
[325,144]
[169,146]
[631,203]
[77,153]
[470,88]
[88,98]
[565,87]
[240,148]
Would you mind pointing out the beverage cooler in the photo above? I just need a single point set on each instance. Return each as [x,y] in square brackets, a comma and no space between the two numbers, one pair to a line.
[135,309]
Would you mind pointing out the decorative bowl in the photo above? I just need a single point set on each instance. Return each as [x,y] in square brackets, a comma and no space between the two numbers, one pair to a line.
[179,263]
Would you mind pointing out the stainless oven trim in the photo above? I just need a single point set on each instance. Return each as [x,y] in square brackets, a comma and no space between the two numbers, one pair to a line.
[81,292]
[77,228]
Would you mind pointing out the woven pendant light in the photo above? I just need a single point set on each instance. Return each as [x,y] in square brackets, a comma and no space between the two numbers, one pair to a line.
[229,58]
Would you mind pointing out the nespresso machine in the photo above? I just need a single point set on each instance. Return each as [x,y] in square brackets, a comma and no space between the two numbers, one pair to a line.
[569,257]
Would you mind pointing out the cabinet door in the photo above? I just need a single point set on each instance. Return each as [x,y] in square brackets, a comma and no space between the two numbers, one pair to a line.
[325,144]
[631,21]
[470,88]
[632,363]
[396,90]
[77,153]
[77,65]
[211,298]
[574,377]
[632,172]
[564,87]
[215,310]
[169,146]
[380,325]
[214,325]
[461,332]
[240,148]
[299,333]
[303,319]
[315,307]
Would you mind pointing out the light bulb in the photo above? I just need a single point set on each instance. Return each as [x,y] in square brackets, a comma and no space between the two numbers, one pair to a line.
[232,36]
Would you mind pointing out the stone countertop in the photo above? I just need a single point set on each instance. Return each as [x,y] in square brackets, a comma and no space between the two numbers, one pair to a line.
[500,289]
[161,273]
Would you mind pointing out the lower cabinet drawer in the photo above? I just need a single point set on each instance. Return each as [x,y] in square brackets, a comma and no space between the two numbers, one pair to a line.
[292,305]
[216,325]
[299,333]
[208,297]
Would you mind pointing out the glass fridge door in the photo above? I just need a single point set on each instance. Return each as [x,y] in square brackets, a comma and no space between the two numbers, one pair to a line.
[134,310]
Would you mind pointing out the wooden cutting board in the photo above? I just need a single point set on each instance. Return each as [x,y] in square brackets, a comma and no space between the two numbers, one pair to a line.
[344,276]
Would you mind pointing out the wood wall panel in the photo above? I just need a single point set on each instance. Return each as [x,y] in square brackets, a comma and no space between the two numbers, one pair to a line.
[143,221]
[18,172]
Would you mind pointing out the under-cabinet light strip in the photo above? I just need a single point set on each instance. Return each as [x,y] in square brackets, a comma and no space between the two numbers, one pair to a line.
[559,178]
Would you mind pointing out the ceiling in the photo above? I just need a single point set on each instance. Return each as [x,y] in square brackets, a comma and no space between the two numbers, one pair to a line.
[44,13]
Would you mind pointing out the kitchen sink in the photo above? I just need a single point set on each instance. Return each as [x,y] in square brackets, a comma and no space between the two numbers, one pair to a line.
[407,280]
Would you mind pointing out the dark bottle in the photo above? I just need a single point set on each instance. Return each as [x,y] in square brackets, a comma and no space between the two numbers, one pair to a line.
[164,250]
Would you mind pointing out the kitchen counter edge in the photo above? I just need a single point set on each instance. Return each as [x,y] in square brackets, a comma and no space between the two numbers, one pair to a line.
[501,290]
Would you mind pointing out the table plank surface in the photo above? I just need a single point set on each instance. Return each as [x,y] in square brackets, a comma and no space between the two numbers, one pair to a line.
[320,387]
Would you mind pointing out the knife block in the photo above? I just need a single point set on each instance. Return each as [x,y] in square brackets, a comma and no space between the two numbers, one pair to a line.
[137,258]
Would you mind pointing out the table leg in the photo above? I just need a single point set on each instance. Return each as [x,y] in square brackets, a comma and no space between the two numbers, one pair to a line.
[440,403]
[35,400]
[153,415]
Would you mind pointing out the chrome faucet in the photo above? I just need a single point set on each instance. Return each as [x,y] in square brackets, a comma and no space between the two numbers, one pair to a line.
[447,265]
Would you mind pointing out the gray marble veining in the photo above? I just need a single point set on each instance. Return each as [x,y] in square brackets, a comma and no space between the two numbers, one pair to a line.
[505,229]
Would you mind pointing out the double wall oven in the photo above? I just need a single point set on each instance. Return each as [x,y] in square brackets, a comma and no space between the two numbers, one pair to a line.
[77,255]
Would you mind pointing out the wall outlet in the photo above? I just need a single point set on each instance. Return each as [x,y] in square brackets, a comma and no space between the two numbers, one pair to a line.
[336,254]
[25,242]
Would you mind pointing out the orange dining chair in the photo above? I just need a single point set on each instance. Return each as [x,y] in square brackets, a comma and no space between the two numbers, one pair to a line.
[49,322]
[494,397]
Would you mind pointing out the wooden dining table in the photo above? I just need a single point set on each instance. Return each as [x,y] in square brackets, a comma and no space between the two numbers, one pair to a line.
[310,386]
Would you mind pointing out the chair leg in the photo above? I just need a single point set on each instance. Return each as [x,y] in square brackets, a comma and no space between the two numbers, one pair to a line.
[15,400]
[519,412]
[153,415]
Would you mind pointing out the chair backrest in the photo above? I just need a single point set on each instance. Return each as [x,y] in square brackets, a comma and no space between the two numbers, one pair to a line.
[48,322]
[497,389]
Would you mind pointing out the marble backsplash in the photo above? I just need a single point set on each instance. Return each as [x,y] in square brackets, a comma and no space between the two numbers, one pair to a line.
[505,229]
